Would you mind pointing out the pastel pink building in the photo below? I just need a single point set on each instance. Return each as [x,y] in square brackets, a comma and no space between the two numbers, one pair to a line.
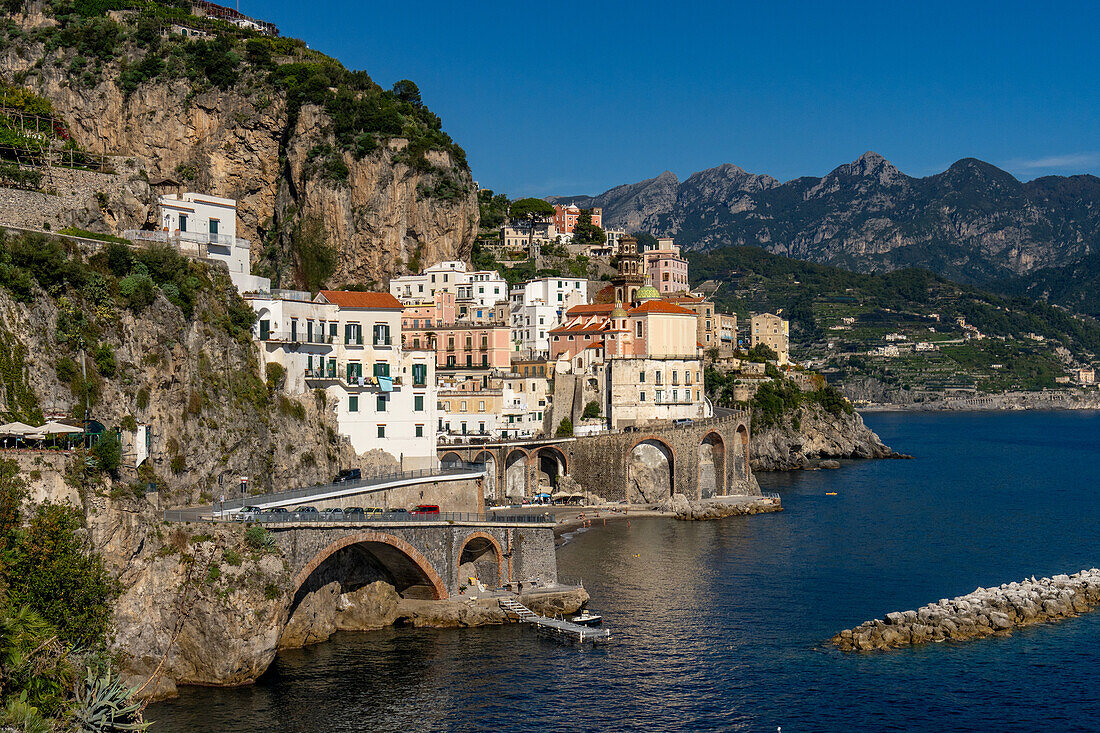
[463,345]
[653,328]
[439,311]
[667,270]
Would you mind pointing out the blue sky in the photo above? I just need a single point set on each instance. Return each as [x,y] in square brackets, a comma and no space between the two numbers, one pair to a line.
[571,98]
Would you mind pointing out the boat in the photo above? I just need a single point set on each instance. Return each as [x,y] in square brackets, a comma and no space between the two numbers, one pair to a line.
[587,618]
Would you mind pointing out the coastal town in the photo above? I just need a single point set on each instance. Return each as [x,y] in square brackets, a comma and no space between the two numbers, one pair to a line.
[453,355]
[523,412]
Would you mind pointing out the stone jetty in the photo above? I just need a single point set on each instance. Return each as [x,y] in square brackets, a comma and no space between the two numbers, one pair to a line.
[985,612]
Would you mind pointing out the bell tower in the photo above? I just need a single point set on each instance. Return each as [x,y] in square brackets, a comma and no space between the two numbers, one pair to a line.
[631,271]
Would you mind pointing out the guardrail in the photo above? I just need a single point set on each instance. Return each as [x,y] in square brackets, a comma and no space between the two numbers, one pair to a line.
[308,492]
[323,518]
[770,495]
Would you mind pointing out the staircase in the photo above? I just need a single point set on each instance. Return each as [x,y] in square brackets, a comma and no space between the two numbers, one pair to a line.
[515,608]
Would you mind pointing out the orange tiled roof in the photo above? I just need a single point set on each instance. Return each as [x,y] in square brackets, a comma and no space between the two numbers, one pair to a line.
[595,345]
[594,310]
[355,299]
[660,306]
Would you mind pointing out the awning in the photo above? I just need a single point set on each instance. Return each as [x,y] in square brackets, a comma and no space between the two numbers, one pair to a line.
[17,428]
[59,428]
[385,384]
[542,496]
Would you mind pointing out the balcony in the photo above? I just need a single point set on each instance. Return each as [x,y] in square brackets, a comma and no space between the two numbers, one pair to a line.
[186,240]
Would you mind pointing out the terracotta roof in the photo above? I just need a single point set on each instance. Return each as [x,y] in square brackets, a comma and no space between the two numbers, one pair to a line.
[595,345]
[661,306]
[684,299]
[355,299]
[594,309]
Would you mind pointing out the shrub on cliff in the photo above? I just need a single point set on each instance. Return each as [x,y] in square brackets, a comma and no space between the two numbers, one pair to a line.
[53,571]
[565,429]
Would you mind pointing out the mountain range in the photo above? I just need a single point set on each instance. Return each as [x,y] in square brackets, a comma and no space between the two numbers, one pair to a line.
[973,223]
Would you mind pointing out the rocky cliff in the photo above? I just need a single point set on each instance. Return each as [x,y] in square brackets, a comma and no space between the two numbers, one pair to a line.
[973,222]
[325,200]
[812,435]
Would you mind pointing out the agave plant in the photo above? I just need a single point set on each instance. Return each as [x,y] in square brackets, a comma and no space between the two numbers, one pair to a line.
[102,704]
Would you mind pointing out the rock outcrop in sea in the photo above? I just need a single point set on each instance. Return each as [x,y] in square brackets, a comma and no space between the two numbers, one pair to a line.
[720,506]
[812,436]
[985,612]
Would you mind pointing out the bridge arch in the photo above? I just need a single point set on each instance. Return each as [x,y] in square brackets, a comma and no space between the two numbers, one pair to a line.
[651,470]
[402,563]
[553,464]
[515,473]
[477,552]
[489,461]
[712,465]
[741,462]
[450,457]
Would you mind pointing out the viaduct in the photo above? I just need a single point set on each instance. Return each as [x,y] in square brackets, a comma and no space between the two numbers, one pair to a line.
[702,459]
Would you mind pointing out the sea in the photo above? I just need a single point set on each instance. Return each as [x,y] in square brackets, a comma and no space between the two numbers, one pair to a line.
[722,625]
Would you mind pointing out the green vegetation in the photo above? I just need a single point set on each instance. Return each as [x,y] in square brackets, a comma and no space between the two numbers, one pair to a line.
[565,429]
[314,257]
[592,409]
[838,317]
[54,619]
[585,232]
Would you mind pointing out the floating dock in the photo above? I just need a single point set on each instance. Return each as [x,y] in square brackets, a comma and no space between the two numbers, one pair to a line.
[554,626]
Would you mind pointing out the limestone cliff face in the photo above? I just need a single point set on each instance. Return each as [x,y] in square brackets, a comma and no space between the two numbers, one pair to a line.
[239,144]
[818,436]
[380,219]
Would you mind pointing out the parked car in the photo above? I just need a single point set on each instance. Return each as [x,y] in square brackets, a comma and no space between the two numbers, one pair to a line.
[348,474]
[398,510]
[248,514]
[373,511]
[333,514]
[279,510]
[425,509]
[354,512]
[682,421]
[306,512]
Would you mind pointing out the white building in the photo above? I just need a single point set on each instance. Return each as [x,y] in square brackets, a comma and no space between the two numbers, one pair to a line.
[204,226]
[482,288]
[538,306]
[349,345]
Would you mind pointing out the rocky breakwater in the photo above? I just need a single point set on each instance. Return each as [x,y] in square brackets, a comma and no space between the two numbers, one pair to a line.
[985,612]
[720,507]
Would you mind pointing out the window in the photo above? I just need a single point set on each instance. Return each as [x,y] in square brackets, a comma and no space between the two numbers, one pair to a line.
[420,374]
[450,361]
[382,334]
[420,431]
[481,427]
[481,405]
[381,369]
[353,404]
[658,377]
[355,370]
[353,334]
[331,368]
[641,377]
[214,229]
[333,329]
[484,360]
[380,403]
[484,342]
[675,395]
[418,403]
[183,222]
[659,393]
[469,360]
[381,431]
[462,406]
[641,397]
[638,328]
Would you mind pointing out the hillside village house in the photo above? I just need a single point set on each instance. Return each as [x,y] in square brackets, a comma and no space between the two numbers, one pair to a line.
[204,226]
[640,362]
[774,332]
[481,289]
[667,270]
[727,334]
[349,345]
[566,215]
[538,305]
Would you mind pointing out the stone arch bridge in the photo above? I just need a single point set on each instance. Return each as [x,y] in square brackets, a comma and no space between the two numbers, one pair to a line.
[703,459]
[427,560]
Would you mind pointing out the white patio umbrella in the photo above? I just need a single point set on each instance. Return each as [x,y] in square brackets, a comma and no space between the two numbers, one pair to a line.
[59,428]
[18,429]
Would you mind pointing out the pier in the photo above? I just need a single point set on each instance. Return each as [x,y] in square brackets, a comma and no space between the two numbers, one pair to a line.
[553,626]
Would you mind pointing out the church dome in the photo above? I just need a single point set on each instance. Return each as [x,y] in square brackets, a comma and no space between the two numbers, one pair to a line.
[647,292]
[618,311]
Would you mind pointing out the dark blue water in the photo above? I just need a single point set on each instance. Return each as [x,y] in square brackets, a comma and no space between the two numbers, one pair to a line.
[719,625]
